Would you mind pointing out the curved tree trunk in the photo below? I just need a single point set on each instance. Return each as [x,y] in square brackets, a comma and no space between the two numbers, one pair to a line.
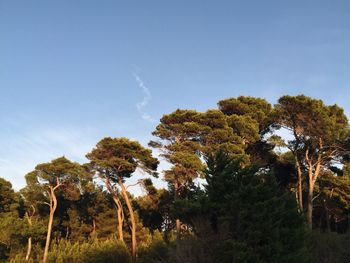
[53,206]
[119,207]
[121,220]
[132,218]
[29,248]
[120,214]
[29,216]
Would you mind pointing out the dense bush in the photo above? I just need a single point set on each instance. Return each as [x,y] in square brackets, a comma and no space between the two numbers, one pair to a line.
[88,252]
[330,247]
[158,251]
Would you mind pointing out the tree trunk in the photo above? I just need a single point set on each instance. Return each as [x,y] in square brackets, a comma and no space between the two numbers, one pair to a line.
[310,192]
[132,218]
[120,214]
[29,219]
[313,175]
[29,248]
[93,227]
[300,185]
[53,206]
[310,206]
[119,209]
[178,223]
[178,229]
[176,195]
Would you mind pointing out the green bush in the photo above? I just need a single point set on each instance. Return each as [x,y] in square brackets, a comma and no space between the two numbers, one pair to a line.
[107,251]
[330,247]
[93,251]
[156,252]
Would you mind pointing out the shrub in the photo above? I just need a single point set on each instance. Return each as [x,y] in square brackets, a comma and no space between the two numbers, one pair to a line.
[93,251]
[330,247]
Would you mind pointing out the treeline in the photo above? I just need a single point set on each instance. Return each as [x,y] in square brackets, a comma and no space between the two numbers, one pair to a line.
[274,187]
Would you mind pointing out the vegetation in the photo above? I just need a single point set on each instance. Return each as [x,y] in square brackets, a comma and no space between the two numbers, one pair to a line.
[262,197]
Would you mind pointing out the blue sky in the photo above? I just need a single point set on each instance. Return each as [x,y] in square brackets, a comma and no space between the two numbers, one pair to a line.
[72,72]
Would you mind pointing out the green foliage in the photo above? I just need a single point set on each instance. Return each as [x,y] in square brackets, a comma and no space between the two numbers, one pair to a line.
[179,133]
[70,174]
[251,218]
[256,108]
[92,251]
[332,205]
[115,157]
[12,228]
[260,221]
[244,212]
[62,169]
[153,208]
[329,247]
[156,251]
[19,255]
[8,197]
[310,119]
[12,234]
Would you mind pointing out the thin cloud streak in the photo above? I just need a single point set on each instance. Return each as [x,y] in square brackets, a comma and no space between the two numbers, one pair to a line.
[146,99]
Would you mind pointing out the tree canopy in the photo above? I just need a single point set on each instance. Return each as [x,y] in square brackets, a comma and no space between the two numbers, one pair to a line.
[246,182]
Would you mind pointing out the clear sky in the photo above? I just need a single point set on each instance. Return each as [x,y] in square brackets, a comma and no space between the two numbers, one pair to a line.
[72,72]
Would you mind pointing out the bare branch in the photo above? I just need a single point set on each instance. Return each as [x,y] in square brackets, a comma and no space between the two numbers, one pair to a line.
[139,182]
[316,196]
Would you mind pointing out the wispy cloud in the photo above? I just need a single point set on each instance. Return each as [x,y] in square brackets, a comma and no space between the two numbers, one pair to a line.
[146,99]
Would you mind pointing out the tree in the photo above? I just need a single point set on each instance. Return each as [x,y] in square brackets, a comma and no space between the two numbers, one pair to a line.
[47,180]
[180,135]
[226,133]
[30,213]
[332,205]
[257,109]
[249,117]
[242,215]
[114,160]
[97,209]
[9,217]
[319,133]
[153,207]
[257,221]
[8,197]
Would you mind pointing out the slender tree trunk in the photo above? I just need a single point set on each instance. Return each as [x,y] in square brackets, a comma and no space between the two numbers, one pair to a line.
[176,195]
[300,185]
[119,207]
[29,248]
[93,227]
[297,198]
[178,229]
[120,214]
[178,222]
[53,206]
[313,175]
[67,232]
[29,219]
[310,205]
[132,218]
